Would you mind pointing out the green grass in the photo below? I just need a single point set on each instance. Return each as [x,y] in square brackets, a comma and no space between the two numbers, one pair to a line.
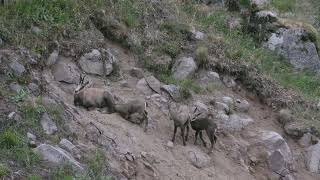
[129,12]
[284,5]
[4,171]
[21,96]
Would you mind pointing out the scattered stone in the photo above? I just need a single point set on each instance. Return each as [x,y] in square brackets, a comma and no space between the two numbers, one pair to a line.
[124,83]
[242,106]
[233,23]
[129,157]
[154,84]
[173,91]
[266,16]
[92,63]
[15,117]
[137,72]
[197,157]
[183,68]
[285,116]
[66,71]
[31,136]
[17,68]
[48,125]
[210,78]
[307,140]
[313,158]
[32,144]
[34,89]
[197,35]
[53,58]
[260,3]
[228,100]
[237,122]
[57,155]
[11,115]
[15,87]
[36,30]
[143,86]
[296,129]
[160,101]
[68,146]
[170,144]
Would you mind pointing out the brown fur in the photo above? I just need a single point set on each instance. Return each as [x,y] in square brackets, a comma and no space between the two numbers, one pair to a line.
[181,118]
[134,111]
[94,98]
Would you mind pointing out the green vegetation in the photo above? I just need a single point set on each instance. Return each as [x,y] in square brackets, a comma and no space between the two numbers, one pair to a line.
[21,96]
[202,56]
[284,5]
[4,171]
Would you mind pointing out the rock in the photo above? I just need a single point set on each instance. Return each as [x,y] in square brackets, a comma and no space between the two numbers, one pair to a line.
[234,23]
[31,136]
[279,153]
[228,100]
[34,89]
[17,68]
[237,122]
[201,109]
[53,58]
[242,106]
[313,158]
[124,83]
[15,87]
[1,42]
[221,119]
[296,46]
[210,78]
[92,63]
[36,30]
[11,115]
[48,125]
[183,68]
[137,72]
[57,156]
[296,129]
[285,116]
[15,117]
[307,140]
[197,35]
[222,107]
[66,71]
[143,86]
[260,3]
[32,144]
[173,91]
[154,84]
[266,16]
[170,144]
[160,101]
[68,146]
[197,157]
[229,82]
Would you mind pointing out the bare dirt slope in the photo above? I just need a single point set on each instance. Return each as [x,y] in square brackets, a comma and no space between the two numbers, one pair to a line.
[145,155]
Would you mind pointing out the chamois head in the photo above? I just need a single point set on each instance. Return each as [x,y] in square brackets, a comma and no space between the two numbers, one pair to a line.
[81,84]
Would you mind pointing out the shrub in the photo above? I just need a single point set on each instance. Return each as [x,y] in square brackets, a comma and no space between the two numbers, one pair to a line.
[4,171]
[202,56]
[9,139]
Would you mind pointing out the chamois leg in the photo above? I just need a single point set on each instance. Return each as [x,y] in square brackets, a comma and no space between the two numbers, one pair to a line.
[174,133]
[201,137]
[182,135]
[146,120]
[187,135]
[212,137]
[196,137]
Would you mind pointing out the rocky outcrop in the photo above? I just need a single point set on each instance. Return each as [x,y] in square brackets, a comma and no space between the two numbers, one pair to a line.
[48,125]
[183,68]
[313,158]
[153,83]
[173,91]
[295,45]
[142,85]
[66,71]
[197,158]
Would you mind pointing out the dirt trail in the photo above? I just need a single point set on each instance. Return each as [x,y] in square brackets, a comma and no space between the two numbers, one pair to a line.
[120,137]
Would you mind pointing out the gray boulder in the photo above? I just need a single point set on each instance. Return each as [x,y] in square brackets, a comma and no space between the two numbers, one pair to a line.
[34,89]
[57,156]
[53,58]
[313,158]
[228,100]
[154,83]
[210,78]
[92,62]
[31,136]
[296,46]
[66,71]
[296,129]
[242,106]
[161,102]
[285,116]
[17,68]
[136,72]
[15,87]
[222,107]
[236,122]
[173,91]
[200,109]
[260,3]
[307,140]
[198,158]
[48,125]
[143,86]
[229,82]
[183,68]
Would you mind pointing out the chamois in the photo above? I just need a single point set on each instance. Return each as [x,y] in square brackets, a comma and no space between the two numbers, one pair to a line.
[204,123]
[134,111]
[181,118]
[92,97]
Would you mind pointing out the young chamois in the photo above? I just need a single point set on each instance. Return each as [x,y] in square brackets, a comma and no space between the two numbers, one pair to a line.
[204,123]
[93,97]
[134,111]
[181,118]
